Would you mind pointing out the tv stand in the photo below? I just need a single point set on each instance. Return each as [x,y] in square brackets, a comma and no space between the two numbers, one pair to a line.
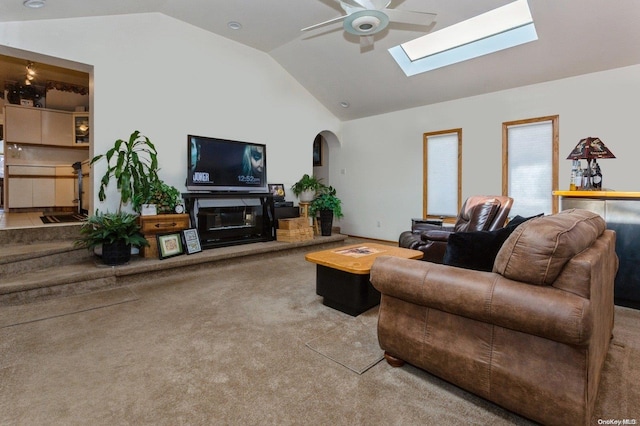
[231,218]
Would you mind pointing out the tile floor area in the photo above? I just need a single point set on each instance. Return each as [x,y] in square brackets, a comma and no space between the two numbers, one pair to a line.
[21,220]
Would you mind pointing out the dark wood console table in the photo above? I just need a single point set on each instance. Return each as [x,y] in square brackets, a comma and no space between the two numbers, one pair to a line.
[230,218]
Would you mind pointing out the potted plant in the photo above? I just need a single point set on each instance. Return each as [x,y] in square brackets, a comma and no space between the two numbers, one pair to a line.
[133,164]
[114,232]
[306,188]
[164,197]
[328,205]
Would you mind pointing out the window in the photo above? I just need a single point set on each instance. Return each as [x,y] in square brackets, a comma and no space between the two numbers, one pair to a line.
[530,165]
[442,173]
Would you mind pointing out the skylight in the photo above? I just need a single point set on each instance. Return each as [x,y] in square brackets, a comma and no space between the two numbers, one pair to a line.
[496,30]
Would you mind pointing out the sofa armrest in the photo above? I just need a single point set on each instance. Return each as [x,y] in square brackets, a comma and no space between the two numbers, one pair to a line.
[435,235]
[486,296]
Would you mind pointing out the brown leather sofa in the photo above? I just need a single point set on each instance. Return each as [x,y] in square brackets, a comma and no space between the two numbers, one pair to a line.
[478,213]
[531,336]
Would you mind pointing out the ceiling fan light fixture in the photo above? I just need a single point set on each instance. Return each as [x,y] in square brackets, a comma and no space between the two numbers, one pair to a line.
[365,22]
[33,4]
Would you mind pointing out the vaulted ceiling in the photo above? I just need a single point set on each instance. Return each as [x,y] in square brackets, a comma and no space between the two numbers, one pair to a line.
[575,37]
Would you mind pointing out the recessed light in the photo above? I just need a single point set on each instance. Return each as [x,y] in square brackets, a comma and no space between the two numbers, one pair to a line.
[344,104]
[34,4]
[234,25]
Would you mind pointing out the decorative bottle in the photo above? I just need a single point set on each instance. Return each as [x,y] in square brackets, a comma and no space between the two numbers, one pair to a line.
[579,176]
[574,173]
[597,177]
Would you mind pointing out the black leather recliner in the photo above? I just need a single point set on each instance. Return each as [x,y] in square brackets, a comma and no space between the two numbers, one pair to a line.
[478,213]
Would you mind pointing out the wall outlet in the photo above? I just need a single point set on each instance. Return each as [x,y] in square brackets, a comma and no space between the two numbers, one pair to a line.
[378,224]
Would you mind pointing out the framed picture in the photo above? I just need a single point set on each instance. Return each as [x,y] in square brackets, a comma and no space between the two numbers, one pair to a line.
[277,190]
[169,245]
[317,151]
[191,241]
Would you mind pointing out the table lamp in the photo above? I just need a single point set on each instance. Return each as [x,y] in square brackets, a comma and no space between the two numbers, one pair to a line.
[590,149]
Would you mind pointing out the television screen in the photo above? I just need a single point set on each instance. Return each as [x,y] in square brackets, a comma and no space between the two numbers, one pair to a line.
[226,165]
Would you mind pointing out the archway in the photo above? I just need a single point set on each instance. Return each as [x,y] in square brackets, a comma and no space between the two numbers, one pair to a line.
[322,145]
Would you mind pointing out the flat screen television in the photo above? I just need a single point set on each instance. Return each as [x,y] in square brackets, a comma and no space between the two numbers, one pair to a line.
[215,164]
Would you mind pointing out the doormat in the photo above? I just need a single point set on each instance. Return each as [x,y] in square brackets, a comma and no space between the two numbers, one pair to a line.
[63,218]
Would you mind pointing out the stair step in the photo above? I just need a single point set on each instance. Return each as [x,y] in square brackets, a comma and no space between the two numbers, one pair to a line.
[83,273]
[22,258]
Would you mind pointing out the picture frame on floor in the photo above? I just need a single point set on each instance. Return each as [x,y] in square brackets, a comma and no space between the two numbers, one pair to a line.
[191,241]
[169,245]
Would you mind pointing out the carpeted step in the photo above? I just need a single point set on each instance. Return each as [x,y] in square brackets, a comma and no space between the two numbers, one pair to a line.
[23,258]
[50,233]
[83,273]
[55,281]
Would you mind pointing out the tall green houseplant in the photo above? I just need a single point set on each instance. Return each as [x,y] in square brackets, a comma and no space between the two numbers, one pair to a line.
[133,164]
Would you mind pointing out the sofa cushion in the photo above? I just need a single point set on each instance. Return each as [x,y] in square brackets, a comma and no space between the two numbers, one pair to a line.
[537,250]
[475,250]
[478,250]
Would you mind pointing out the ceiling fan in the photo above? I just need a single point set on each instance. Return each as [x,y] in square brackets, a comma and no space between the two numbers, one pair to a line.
[365,18]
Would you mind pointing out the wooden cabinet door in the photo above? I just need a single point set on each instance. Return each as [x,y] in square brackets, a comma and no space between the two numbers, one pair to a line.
[65,192]
[20,193]
[22,125]
[57,128]
[44,192]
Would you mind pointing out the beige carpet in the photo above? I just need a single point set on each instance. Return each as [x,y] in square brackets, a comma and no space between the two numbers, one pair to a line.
[38,311]
[226,345]
[352,344]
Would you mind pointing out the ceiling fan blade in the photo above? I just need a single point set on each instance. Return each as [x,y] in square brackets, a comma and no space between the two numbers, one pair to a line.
[366,41]
[321,24]
[409,17]
[364,4]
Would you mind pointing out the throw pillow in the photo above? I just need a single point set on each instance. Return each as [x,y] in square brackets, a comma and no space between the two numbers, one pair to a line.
[478,249]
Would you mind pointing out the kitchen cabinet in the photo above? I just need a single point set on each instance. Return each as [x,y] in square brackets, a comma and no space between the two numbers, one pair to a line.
[81,127]
[57,128]
[31,192]
[65,189]
[40,126]
[22,125]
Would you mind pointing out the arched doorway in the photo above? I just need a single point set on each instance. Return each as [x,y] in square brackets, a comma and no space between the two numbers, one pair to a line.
[322,145]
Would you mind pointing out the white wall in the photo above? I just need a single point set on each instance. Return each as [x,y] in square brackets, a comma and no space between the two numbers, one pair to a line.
[168,79]
[382,156]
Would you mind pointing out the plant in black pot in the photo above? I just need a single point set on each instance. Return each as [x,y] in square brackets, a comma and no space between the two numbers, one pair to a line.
[306,188]
[115,233]
[328,205]
[133,164]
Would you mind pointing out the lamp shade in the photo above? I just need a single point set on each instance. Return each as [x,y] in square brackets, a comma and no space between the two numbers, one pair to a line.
[590,148]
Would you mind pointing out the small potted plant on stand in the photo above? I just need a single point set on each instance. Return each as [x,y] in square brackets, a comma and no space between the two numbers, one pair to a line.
[164,197]
[328,205]
[305,189]
[133,164]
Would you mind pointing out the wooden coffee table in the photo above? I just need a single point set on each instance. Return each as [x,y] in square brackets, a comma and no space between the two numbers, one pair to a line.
[342,274]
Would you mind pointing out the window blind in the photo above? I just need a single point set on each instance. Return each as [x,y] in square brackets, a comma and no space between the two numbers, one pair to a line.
[442,175]
[530,154]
